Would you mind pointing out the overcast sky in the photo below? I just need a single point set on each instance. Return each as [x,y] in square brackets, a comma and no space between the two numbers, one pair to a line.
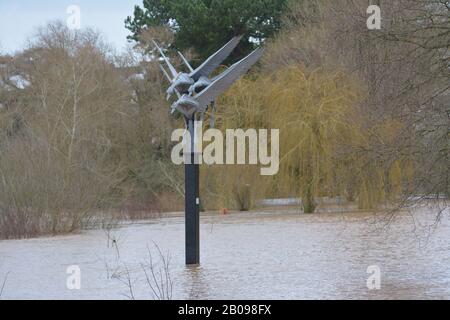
[19,19]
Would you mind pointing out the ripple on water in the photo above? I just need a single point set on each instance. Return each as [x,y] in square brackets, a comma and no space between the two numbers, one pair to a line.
[270,255]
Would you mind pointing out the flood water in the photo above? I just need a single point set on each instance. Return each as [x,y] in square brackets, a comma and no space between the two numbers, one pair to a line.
[258,255]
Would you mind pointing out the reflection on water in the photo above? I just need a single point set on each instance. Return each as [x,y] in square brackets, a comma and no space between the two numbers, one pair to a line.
[266,255]
[196,284]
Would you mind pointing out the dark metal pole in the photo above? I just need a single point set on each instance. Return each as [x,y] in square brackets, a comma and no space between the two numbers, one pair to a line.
[192,202]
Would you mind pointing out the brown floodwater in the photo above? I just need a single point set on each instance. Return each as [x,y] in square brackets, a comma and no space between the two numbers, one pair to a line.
[258,255]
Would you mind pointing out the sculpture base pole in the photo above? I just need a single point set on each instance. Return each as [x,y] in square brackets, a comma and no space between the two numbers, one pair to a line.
[192,204]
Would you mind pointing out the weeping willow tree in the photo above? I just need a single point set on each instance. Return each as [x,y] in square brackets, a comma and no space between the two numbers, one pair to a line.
[323,139]
[238,186]
[316,115]
[232,186]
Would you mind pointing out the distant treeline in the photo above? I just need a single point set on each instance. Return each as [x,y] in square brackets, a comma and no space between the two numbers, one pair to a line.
[363,114]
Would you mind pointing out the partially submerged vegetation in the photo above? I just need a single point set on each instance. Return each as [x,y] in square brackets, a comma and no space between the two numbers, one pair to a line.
[74,140]
[363,114]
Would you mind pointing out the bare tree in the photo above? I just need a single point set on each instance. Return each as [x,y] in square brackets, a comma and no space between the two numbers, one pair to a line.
[158,275]
[404,70]
[157,272]
[65,103]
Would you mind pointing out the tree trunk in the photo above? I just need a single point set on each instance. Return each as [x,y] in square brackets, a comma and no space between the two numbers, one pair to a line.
[308,201]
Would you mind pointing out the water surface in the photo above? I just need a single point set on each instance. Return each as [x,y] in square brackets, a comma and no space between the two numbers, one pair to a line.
[258,255]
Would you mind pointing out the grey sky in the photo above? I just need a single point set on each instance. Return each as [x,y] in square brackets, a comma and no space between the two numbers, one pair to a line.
[19,19]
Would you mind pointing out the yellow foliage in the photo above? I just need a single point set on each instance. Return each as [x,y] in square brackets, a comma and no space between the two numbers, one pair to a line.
[323,139]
